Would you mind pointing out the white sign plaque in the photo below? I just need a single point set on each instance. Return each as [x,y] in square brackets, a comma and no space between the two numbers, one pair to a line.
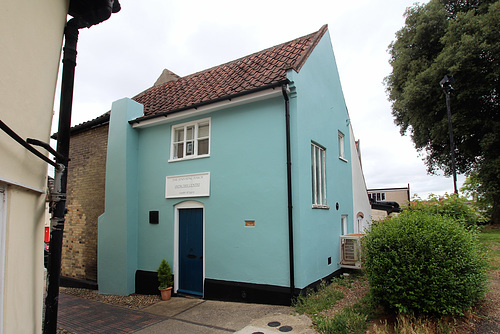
[189,185]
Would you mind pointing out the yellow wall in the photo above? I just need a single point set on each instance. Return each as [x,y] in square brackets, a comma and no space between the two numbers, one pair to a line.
[23,293]
[31,34]
[31,38]
[399,196]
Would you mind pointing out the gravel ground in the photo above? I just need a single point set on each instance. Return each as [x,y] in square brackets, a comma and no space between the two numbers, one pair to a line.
[134,301]
[489,309]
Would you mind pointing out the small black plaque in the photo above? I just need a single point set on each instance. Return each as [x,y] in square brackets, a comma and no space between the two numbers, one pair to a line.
[154,217]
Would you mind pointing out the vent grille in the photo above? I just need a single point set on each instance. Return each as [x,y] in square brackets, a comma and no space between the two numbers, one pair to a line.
[350,251]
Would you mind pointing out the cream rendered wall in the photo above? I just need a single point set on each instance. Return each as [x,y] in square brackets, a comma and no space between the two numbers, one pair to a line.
[31,34]
[400,196]
[361,203]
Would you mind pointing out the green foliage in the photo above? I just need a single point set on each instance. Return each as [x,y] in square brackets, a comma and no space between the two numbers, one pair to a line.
[409,324]
[490,238]
[316,301]
[452,206]
[350,320]
[458,38]
[165,275]
[347,321]
[424,264]
[473,189]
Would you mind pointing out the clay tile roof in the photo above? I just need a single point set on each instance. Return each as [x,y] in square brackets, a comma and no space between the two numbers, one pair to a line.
[260,70]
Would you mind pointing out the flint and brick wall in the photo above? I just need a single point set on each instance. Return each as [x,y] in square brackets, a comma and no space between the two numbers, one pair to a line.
[85,203]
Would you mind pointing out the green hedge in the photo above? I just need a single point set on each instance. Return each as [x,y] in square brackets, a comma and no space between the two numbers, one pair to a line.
[424,264]
[453,206]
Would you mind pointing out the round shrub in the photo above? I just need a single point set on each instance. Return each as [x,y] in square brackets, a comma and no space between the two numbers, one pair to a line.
[424,264]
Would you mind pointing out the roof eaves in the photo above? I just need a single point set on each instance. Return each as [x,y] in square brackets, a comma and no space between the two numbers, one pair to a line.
[297,65]
[317,37]
[195,106]
[92,124]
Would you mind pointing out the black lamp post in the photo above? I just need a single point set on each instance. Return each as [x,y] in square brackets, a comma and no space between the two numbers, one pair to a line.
[446,85]
[85,14]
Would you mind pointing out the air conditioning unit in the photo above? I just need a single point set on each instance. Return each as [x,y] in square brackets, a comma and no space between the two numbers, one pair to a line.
[350,251]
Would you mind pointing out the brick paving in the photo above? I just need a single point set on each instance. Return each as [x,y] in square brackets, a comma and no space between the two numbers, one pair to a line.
[79,315]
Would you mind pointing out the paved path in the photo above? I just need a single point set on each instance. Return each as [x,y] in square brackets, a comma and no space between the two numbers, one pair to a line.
[80,315]
[179,315]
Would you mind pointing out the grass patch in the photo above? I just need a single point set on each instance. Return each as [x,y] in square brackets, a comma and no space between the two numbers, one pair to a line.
[345,322]
[350,320]
[317,301]
[409,324]
[490,238]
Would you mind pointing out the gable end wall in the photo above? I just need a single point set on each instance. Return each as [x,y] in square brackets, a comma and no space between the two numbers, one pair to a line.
[86,186]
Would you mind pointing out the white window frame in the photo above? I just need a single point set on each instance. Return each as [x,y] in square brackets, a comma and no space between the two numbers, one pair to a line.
[195,139]
[342,147]
[318,179]
[378,196]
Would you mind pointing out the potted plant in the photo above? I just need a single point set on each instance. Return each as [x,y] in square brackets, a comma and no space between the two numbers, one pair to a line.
[165,280]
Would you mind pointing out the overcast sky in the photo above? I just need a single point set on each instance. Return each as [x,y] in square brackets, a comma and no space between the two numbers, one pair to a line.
[124,56]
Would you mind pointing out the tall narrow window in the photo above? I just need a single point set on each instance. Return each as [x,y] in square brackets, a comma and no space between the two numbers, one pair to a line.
[190,140]
[318,173]
[343,221]
[341,146]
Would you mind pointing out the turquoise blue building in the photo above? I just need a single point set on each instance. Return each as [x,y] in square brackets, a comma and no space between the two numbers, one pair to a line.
[240,176]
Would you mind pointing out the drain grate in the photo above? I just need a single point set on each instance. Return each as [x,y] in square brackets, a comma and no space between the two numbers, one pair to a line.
[285,329]
[274,324]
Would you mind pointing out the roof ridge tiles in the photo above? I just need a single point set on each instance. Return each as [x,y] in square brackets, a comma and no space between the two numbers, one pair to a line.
[259,70]
[317,35]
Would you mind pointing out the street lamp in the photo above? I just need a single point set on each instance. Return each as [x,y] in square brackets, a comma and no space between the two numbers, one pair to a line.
[446,85]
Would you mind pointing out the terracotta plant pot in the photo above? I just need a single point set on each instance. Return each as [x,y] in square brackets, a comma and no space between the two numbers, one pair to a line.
[166,294]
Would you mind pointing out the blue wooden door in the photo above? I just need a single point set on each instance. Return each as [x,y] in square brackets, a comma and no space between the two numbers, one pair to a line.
[191,251]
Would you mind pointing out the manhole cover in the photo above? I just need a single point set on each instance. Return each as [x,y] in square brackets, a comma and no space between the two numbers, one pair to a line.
[285,329]
[257,333]
[274,324]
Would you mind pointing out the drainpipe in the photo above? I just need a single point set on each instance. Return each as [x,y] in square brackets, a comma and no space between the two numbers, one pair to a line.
[289,190]
[85,14]
[58,197]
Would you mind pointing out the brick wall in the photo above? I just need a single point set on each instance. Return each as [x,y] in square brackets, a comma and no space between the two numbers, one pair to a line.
[85,203]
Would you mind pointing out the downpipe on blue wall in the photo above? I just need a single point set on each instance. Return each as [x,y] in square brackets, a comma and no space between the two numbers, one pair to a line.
[284,89]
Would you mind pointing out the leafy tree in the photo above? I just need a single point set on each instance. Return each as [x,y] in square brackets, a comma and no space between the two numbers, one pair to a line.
[459,38]
[472,189]
[451,206]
